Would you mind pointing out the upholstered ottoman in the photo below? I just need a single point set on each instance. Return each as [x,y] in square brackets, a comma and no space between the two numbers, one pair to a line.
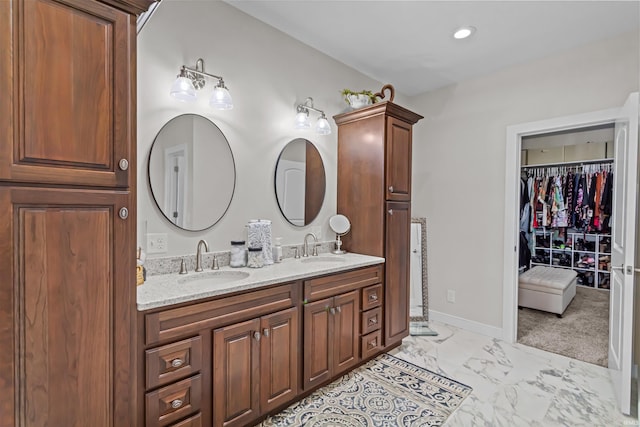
[547,288]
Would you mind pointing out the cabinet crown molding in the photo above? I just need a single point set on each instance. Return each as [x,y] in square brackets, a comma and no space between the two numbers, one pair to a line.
[384,107]
[135,7]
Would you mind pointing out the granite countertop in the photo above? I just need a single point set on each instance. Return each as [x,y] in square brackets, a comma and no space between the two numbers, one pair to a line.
[167,289]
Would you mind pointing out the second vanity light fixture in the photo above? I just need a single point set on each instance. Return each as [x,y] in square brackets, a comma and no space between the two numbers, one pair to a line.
[191,79]
[302,118]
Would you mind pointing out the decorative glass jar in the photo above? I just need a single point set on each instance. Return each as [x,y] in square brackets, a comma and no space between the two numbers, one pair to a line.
[255,258]
[238,257]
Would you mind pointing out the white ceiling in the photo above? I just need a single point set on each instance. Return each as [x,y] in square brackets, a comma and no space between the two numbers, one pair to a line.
[410,43]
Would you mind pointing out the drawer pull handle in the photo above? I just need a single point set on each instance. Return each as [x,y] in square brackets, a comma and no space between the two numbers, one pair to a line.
[390,211]
[373,297]
[373,343]
[332,310]
[124,213]
[123,164]
[177,362]
[175,404]
[339,309]
[391,189]
[373,320]
[265,332]
[257,335]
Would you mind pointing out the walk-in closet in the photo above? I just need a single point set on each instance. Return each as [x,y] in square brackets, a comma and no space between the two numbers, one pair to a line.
[566,211]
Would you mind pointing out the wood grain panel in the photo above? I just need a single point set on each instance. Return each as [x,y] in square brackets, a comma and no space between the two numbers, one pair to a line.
[175,401]
[398,162]
[361,184]
[236,364]
[280,360]
[346,331]
[66,300]
[318,349]
[371,320]
[396,300]
[173,361]
[372,296]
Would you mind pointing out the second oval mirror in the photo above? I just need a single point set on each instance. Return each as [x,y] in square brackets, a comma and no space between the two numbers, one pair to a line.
[300,182]
[192,173]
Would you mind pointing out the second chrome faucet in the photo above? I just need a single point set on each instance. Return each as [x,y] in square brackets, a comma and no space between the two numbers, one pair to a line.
[199,254]
[305,253]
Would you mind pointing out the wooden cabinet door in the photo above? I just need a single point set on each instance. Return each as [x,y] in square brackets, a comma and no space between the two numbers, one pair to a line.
[317,351]
[236,382]
[67,297]
[396,299]
[66,114]
[398,160]
[346,331]
[279,359]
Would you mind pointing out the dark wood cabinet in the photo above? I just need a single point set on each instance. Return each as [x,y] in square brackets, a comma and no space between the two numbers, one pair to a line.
[67,279]
[374,179]
[331,337]
[255,367]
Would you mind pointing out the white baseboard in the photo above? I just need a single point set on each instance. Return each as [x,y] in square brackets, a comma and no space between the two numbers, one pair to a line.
[469,325]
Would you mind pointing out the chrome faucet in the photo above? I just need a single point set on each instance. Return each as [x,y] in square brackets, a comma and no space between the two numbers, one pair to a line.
[306,245]
[199,254]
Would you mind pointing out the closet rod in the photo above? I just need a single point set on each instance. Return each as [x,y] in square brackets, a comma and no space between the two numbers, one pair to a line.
[564,164]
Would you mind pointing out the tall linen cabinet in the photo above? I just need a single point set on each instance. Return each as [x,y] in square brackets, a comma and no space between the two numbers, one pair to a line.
[67,203]
[374,192]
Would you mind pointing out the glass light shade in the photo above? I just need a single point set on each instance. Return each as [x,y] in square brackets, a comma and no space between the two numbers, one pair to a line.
[302,121]
[322,126]
[221,99]
[183,90]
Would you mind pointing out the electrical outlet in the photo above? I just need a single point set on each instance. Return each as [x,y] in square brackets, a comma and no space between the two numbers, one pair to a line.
[317,230]
[451,295]
[157,243]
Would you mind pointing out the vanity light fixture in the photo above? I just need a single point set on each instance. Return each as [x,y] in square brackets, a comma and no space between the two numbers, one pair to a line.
[302,118]
[463,32]
[191,79]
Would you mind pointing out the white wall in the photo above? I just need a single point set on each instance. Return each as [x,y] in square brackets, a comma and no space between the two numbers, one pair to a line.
[267,73]
[459,157]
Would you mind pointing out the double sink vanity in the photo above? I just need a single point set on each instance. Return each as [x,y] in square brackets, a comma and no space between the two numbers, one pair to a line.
[227,347]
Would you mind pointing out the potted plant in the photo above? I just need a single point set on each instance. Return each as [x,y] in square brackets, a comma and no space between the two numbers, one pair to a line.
[359,99]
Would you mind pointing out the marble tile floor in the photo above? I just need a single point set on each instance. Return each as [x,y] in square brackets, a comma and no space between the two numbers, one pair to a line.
[515,385]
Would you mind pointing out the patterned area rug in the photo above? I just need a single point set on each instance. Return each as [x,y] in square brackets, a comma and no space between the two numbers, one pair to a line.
[386,391]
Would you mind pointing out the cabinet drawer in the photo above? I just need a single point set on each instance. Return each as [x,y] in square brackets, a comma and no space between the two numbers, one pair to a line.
[173,402]
[190,319]
[371,297]
[371,344]
[173,361]
[195,421]
[334,284]
[371,320]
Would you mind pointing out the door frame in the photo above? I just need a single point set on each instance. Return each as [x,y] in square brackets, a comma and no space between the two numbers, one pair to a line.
[511,217]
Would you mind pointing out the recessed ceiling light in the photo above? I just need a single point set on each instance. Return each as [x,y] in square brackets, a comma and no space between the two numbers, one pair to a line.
[463,32]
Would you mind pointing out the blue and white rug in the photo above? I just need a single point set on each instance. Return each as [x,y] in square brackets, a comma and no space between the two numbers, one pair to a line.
[386,391]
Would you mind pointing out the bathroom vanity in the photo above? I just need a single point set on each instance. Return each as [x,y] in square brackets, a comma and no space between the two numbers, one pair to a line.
[227,347]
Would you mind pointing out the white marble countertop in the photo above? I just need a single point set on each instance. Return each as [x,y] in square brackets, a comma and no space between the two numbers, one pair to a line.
[167,289]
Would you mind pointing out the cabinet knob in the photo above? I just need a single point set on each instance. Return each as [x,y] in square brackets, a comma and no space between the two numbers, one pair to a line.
[177,362]
[390,211]
[265,332]
[339,309]
[176,403]
[373,320]
[257,335]
[373,343]
[124,213]
[373,297]
[332,310]
[391,189]
[123,164]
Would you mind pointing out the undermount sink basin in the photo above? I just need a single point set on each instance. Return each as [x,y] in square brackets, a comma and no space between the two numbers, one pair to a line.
[325,259]
[214,277]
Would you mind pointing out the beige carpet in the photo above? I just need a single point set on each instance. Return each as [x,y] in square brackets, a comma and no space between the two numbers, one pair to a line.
[582,333]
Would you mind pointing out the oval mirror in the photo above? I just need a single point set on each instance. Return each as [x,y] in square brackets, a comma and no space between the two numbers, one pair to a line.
[300,182]
[191,172]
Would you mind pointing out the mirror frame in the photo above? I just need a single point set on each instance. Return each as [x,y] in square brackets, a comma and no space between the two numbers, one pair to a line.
[235,178]
[275,184]
[425,294]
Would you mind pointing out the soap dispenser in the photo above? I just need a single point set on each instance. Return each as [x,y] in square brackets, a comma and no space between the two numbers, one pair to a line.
[277,250]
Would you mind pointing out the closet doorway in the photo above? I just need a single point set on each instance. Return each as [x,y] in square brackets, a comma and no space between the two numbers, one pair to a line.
[625,120]
[566,202]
